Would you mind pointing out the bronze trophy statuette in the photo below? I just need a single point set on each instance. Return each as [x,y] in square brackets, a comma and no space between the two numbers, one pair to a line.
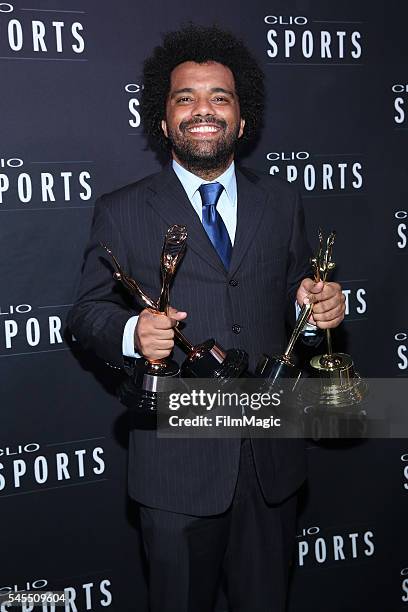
[153,377]
[205,360]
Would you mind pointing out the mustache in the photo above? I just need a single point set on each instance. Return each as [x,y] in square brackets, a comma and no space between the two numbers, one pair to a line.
[208,119]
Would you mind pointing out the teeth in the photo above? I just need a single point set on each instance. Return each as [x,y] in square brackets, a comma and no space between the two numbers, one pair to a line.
[204,128]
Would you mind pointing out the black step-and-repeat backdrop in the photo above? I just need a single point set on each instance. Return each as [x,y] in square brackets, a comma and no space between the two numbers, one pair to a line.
[337,127]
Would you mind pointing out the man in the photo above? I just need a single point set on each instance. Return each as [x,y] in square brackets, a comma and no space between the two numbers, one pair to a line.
[209,508]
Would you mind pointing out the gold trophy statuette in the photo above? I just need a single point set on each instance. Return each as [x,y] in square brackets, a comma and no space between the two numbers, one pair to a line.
[340,384]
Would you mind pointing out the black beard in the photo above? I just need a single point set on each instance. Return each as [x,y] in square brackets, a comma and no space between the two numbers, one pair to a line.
[205,160]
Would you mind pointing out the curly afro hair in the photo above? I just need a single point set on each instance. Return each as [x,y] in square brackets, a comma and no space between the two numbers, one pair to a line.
[200,44]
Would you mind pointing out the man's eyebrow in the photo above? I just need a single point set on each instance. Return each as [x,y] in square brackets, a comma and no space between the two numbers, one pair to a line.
[183,90]
[176,92]
[222,90]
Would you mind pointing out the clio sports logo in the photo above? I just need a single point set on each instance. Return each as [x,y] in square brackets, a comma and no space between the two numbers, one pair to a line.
[400,98]
[133,91]
[25,184]
[301,39]
[330,546]
[37,33]
[315,173]
[401,228]
[30,467]
[401,349]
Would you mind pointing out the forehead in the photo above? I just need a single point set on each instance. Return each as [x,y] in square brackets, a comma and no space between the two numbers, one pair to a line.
[194,75]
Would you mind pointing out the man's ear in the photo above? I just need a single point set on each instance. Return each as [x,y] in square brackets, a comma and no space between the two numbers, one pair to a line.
[164,127]
[241,127]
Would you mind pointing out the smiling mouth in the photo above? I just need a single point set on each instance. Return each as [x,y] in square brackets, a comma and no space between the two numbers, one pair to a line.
[204,129]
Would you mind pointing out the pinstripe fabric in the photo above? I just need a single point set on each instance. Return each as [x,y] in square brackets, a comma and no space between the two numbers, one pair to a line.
[269,258]
[249,545]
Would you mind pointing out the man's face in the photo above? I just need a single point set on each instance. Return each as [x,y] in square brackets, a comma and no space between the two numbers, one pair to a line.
[203,119]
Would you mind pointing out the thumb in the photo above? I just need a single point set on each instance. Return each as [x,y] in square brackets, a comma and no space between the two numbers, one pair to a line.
[176,315]
[315,287]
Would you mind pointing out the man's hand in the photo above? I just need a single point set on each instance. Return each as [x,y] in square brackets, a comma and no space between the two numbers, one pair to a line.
[327,299]
[154,333]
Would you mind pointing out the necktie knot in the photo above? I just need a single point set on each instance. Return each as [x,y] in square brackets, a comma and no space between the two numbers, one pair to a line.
[210,193]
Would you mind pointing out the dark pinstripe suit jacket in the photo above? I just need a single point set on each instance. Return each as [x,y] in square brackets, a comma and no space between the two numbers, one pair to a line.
[269,259]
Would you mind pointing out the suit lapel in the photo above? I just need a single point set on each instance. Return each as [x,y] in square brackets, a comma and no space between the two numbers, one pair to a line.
[251,206]
[170,201]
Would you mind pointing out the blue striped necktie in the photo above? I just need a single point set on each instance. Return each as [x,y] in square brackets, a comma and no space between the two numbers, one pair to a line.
[213,223]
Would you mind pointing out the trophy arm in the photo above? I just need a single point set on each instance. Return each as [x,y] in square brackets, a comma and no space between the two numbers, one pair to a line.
[299,327]
[129,283]
[134,289]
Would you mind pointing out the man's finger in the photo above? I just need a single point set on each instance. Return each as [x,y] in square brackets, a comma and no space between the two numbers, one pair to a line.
[329,324]
[330,290]
[173,312]
[324,305]
[330,315]
[163,345]
[164,334]
[308,285]
[161,321]
[159,354]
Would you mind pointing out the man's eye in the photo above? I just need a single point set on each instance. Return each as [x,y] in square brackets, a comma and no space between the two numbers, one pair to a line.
[220,99]
[184,99]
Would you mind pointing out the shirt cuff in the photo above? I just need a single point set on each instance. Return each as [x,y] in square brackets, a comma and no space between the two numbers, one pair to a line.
[128,340]
[309,329]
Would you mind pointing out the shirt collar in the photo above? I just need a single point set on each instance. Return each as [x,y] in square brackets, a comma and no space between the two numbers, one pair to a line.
[191,182]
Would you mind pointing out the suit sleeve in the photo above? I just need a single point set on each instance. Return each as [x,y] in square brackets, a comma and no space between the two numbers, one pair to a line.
[98,318]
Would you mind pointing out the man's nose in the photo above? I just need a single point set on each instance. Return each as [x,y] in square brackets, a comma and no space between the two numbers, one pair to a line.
[203,107]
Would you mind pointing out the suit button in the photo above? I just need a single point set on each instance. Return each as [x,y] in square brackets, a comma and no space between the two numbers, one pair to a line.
[233,282]
[236,328]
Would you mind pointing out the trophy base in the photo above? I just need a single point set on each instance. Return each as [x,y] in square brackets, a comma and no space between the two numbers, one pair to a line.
[140,392]
[233,366]
[209,360]
[340,385]
[136,399]
[276,369]
[336,365]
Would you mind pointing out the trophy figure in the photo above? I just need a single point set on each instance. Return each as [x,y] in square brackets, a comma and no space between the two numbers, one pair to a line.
[154,376]
[341,385]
